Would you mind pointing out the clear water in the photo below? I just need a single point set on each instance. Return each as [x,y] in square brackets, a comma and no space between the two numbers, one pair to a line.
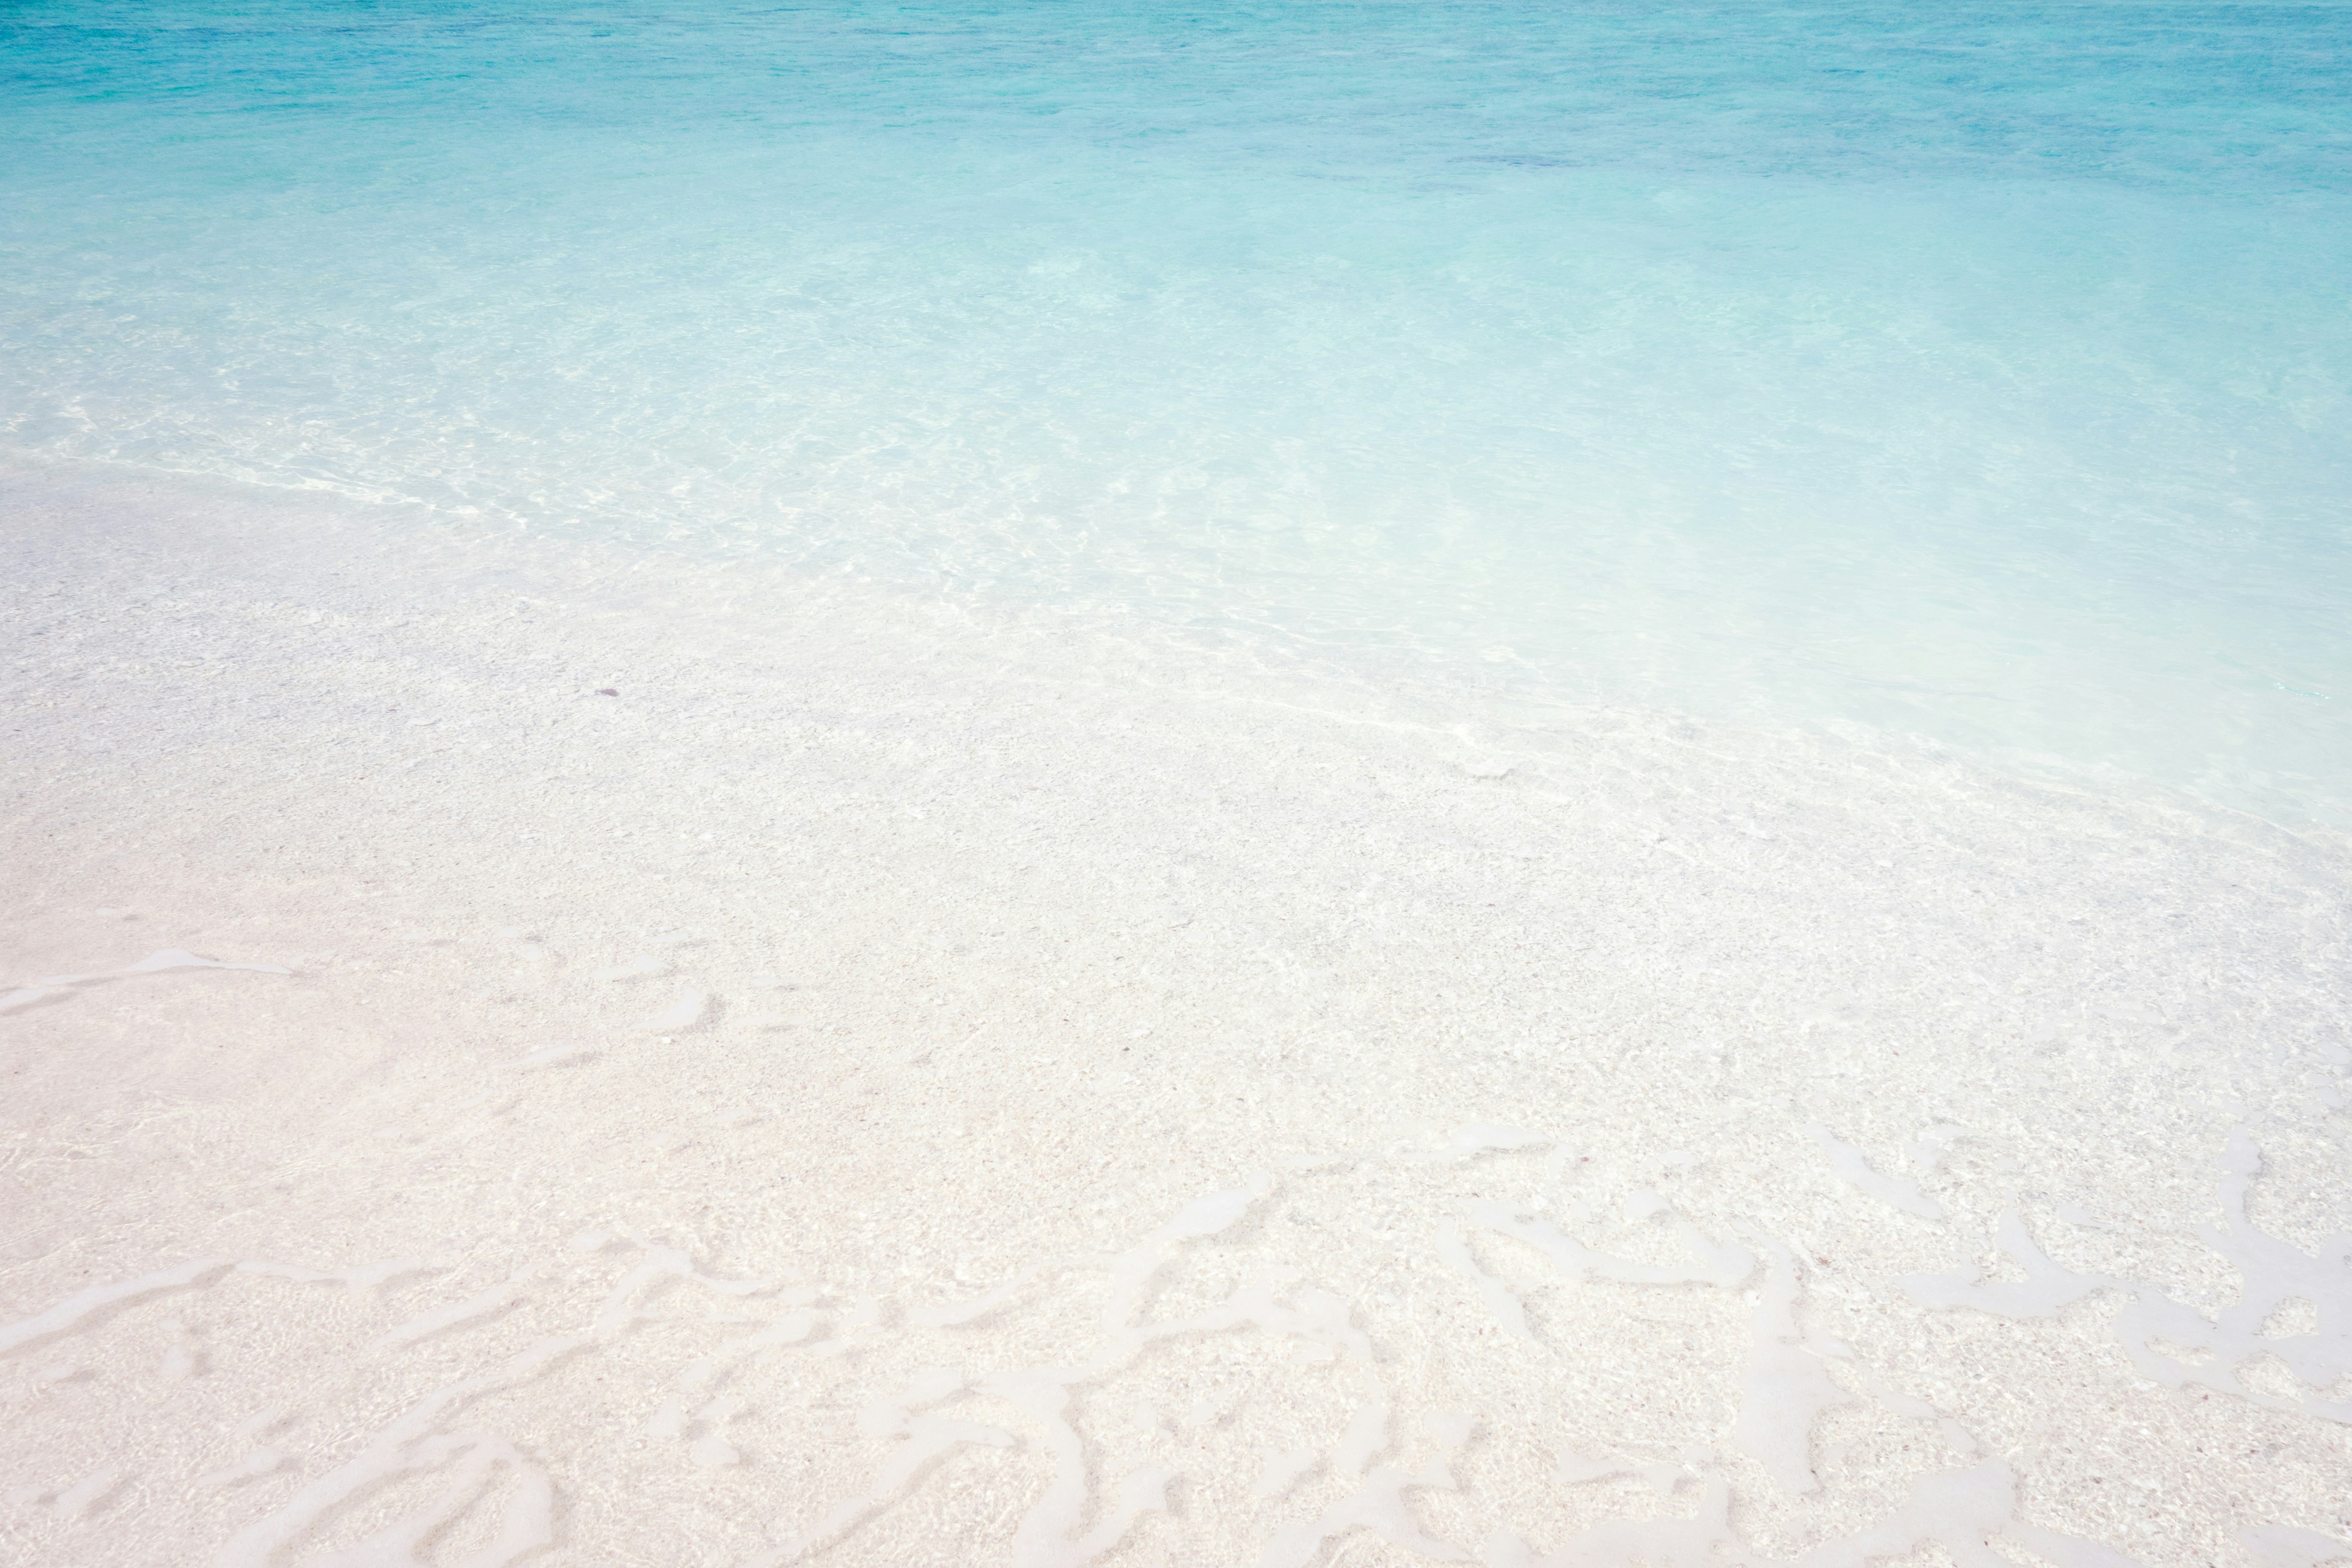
[1982,372]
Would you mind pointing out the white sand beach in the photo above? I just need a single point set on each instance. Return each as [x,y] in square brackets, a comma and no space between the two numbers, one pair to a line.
[518,1052]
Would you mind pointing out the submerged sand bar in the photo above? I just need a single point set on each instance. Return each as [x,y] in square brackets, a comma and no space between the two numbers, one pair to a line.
[893,1087]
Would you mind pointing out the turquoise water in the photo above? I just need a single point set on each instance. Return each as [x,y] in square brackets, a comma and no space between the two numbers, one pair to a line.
[1980,371]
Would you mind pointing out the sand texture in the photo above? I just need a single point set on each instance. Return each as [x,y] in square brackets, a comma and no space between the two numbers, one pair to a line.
[889,1087]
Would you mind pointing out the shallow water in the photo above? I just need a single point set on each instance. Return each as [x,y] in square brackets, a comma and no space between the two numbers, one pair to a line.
[1978,372]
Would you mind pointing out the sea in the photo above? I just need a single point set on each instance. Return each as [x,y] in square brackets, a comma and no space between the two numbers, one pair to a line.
[1972,374]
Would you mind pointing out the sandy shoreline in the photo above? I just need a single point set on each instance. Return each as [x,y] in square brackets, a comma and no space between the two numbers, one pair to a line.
[698,1049]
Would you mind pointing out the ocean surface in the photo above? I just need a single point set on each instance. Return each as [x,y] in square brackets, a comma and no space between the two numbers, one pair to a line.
[1974,372]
